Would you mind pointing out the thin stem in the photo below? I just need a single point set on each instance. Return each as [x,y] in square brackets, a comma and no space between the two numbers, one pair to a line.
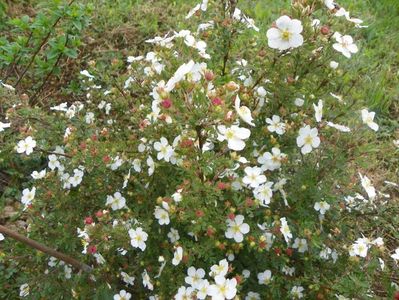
[36,245]
[39,48]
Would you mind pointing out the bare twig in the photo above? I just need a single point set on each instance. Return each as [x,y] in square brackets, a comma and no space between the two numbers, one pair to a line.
[33,244]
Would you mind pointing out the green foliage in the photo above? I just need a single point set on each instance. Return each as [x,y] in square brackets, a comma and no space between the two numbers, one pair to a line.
[98,37]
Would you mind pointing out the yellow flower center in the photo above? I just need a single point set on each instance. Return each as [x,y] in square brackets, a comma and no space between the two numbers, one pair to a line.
[286,35]
[308,140]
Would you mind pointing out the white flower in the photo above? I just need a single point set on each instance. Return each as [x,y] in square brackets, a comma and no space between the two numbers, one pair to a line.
[138,238]
[339,127]
[116,163]
[264,193]
[87,74]
[117,201]
[179,75]
[253,176]
[368,119]
[89,118]
[276,125]
[68,272]
[395,256]
[345,45]
[243,112]
[38,175]
[223,288]
[285,230]
[4,125]
[252,296]
[173,235]
[271,161]
[234,135]
[322,207]
[123,295]
[330,4]
[147,280]
[308,139]
[301,245]
[318,111]
[287,34]
[194,277]
[378,242]
[382,263]
[184,293]
[359,248]
[203,289]
[368,187]
[299,102]
[203,6]
[28,196]
[151,165]
[2,237]
[177,256]
[236,228]
[53,162]
[220,270]
[288,270]
[76,179]
[246,273]
[26,145]
[297,292]
[127,279]
[161,215]
[265,277]
[261,92]
[165,151]
[24,290]
[333,64]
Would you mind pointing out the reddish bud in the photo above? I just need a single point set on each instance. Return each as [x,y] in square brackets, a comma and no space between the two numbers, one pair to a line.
[209,76]
[92,249]
[217,101]
[231,216]
[167,103]
[290,79]
[99,214]
[249,202]
[325,30]
[262,245]
[277,251]
[82,146]
[396,296]
[88,220]
[289,251]
[186,143]
[238,279]
[94,137]
[185,258]
[221,185]
[106,159]
[199,213]
[210,232]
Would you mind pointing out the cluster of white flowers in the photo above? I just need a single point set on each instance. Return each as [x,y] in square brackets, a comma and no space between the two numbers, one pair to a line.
[199,287]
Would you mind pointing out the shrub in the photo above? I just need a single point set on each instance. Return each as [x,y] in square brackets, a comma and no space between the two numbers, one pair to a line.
[220,164]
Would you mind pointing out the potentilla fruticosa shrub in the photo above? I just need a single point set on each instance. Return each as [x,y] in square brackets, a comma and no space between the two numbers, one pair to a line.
[217,166]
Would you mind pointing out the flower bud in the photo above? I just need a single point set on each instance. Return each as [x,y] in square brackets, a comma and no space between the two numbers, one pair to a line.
[166,103]
[209,76]
[325,30]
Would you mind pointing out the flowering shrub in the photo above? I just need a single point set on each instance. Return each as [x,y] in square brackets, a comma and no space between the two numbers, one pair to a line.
[206,169]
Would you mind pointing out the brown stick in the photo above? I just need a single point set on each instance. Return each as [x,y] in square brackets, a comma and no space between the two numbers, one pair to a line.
[31,243]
